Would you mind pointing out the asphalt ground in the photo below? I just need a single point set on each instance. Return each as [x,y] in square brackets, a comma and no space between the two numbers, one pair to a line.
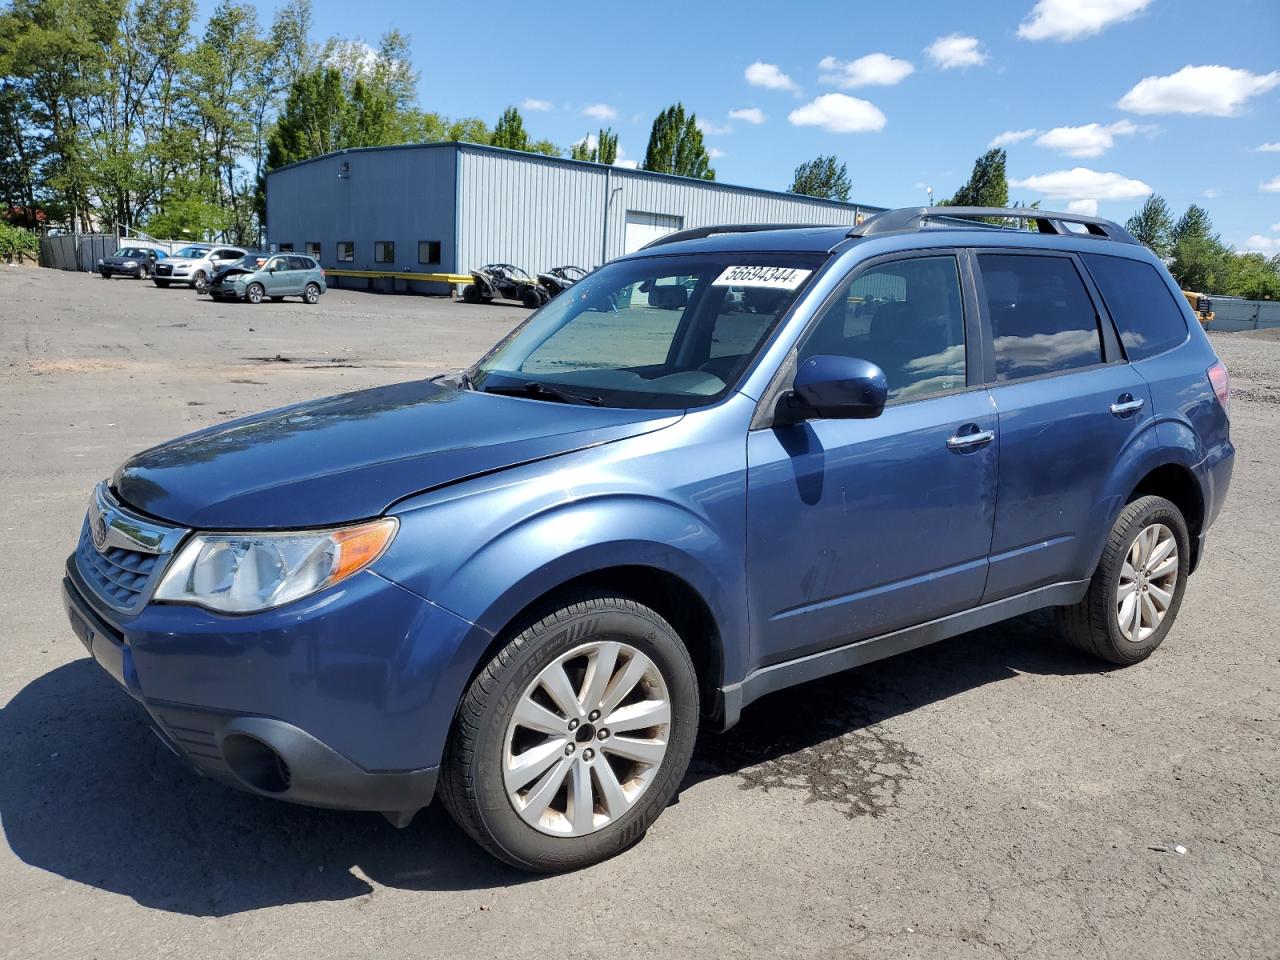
[998,795]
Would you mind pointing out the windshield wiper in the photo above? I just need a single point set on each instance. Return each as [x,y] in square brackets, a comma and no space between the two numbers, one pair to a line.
[540,390]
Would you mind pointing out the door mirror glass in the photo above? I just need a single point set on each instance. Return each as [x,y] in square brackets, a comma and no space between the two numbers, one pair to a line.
[834,387]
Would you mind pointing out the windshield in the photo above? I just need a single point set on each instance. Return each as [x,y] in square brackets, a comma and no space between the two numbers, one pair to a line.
[193,252]
[251,262]
[131,252]
[663,332]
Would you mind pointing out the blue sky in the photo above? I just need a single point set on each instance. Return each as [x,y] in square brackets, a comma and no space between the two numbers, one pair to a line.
[1093,96]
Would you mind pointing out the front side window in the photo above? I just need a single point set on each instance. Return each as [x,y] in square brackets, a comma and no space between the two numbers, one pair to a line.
[906,317]
[661,332]
[384,251]
[1148,318]
[346,251]
[1042,319]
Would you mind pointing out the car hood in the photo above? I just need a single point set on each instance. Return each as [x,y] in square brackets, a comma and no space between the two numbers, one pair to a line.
[350,457]
[181,261]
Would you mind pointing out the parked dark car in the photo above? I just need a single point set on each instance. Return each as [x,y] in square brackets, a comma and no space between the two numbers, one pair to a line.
[524,588]
[260,276]
[136,262]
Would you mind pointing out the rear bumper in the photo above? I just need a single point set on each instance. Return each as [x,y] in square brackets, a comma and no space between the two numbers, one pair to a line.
[279,706]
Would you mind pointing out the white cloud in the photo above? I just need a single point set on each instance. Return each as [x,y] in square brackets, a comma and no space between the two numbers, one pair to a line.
[1275,228]
[712,129]
[955,50]
[1081,182]
[1211,192]
[1073,19]
[533,103]
[1089,140]
[1268,147]
[715,153]
[767,75]
[591,140]
[873,70]
[1214,90]
[1011,136]
[600,111]
[753,115]
[839,113]
[1260,244]
[1088,207]
[622,161]
[1271,186]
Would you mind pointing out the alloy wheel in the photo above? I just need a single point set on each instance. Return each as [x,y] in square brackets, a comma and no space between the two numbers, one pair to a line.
[1148,580]
[587,738]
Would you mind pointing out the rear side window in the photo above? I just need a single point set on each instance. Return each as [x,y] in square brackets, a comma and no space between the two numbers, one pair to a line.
[1148,318]
[301,263]
[1042,319]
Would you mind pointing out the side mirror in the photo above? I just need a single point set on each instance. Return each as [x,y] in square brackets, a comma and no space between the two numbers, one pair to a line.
[835,388]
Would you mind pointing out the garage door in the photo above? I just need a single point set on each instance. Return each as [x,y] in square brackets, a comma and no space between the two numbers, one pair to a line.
[644,228]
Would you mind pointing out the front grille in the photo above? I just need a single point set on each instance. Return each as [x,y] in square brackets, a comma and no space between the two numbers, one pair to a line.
[164,269]
[118,576]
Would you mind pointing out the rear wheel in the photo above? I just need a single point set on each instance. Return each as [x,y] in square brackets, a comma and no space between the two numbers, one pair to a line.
[1137,588]
[312,293]
[254,293]
[574,738]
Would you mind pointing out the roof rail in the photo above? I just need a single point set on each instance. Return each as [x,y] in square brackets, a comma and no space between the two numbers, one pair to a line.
[1046,221]
[697,233]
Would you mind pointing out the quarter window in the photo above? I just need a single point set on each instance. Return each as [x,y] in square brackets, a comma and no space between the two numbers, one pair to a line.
[384,251]
[905,316]
[346,251]
[1042,319]
[428,251]
[1147,316]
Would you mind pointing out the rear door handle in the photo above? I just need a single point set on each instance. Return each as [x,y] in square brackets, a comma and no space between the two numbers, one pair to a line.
[1123,407]
[963,441]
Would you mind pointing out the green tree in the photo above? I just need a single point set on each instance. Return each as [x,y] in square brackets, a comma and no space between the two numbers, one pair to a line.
[824,177]
[510,132]
[602,148]
[1253,276]
[1194,223]
[987,185]
[675,146]
[1152,226]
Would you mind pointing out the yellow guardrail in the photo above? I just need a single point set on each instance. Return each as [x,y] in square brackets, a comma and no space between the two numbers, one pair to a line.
[450,278]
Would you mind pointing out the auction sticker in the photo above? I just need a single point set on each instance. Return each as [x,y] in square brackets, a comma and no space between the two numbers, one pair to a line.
[769,278]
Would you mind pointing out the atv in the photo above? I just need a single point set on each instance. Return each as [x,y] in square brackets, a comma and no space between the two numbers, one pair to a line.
[559,279]
[505,281]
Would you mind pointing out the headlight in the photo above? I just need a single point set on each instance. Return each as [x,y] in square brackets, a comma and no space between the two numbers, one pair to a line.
[248,572]
[131,263]
[99,261]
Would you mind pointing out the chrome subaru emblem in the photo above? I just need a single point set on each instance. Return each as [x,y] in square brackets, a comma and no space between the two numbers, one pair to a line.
[98,530]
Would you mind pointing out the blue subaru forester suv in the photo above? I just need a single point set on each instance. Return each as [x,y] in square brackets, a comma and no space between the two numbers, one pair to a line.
[739,459]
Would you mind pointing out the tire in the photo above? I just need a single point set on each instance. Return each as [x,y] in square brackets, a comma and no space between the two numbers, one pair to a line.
[548,837]
[200,281]
[254,293]
[471,293]
[1098,624]
[311,294]
[144,273]
[106,274]
[530,298]
[160,283]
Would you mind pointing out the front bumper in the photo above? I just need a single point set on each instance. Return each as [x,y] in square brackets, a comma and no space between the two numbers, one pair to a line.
[341,700]
[116,270]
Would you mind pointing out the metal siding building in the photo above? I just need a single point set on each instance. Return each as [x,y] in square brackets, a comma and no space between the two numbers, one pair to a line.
[486,205]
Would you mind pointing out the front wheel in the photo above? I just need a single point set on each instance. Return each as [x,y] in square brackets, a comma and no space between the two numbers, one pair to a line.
[143,273]
[574,738]
[200,281]
[254,293]
[471,293]
[106,274]
[160,283]
[312,293]
[1137,589]
[531,298]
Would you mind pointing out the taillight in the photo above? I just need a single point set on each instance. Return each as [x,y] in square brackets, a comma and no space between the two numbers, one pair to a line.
[1221,382]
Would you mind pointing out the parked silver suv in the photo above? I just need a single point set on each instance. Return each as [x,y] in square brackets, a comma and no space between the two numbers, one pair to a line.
[194,265]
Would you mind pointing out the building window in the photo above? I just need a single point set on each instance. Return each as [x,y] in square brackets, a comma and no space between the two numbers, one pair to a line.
[384,251]
[313,250]
[428,251]
[346,251]
[286,248]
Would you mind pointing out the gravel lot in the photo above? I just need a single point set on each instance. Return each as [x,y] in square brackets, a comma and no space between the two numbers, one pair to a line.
[998,795]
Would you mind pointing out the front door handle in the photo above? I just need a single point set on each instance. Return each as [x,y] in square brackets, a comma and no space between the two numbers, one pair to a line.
[965,441]
[1126,405]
